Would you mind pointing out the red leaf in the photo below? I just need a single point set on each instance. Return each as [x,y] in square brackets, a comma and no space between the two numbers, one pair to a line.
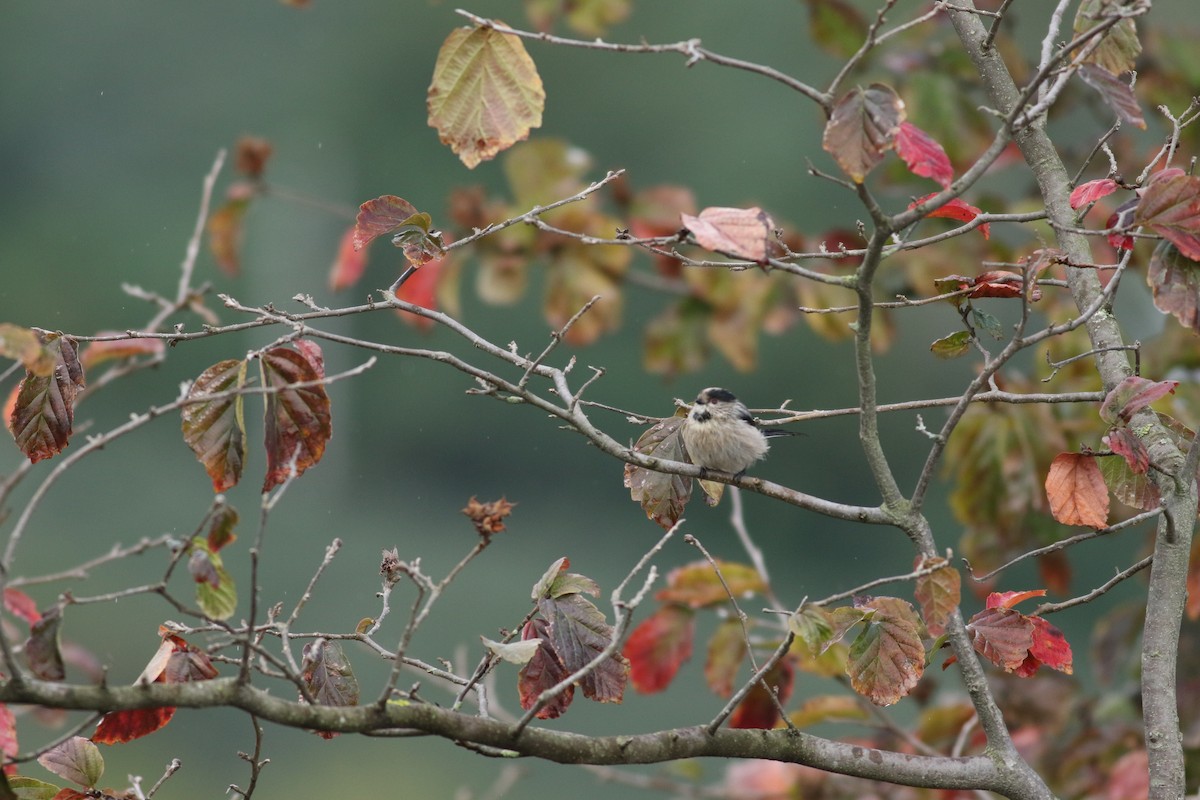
[119,727]
[421,290]
[659,646]
[21,605]
[298,422]
[741,232]
[923,154]
[1050,648]
[542,672]
[1076,491]
[999,283]
[1090,192]
[758,709]
[349,263]
[1170,206]
[955,209]
[379,216]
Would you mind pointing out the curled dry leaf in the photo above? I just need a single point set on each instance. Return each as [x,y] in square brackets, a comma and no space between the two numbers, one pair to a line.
[740,232]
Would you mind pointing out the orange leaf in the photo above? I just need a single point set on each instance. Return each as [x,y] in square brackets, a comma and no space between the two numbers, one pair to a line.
[1076,491]
[1010,599]
[658,647]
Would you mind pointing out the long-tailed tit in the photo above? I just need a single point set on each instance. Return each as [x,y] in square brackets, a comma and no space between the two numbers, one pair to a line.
[720,434]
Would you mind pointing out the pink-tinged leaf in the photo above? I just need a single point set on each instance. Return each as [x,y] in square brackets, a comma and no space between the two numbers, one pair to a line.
[1170,206]
[21,605]
[662,495]
[349,264]
[1090,192]
[758,709]
[887,658]
[658,647]
[1116,93]
[955,209]
[938,593]
[8,738]
[740,232]
[486,93]
[1002,636]
[726,652]
[697,585]
[44,413]
[1050,648]
[923,154]
[1129,778]
[862,128]
[119,349]
[1131,396]
[1001,283]
[1175,283]
[1010,599]
[381,216]
[215,429]
[1123,443]
[298,422]
[542,672]
[1076,491]
[76,760]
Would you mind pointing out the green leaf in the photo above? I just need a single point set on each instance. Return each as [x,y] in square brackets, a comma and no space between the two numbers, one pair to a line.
[215,590]
[1119,46]
[31,788]
[987,323]
[24,345]
[486,93]
[215,429]
[952,346]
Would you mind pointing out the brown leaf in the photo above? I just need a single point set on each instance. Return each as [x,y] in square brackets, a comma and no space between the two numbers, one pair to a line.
[252,155]
[44,413]
[1175,283]
[298,422]
[488,518]
[662,495]
[1002,636]
[938,593]
[578,633]
[225,229]
[215,429]
[76,760]
[1170,206]
[25,345]
[1076,491]
[862,128]
[43,651]
[1116,93]
[486,93]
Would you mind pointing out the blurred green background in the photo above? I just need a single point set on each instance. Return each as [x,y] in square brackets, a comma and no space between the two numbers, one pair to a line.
[111,113]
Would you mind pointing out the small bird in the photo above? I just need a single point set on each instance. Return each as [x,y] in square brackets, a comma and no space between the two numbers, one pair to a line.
[721,434]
